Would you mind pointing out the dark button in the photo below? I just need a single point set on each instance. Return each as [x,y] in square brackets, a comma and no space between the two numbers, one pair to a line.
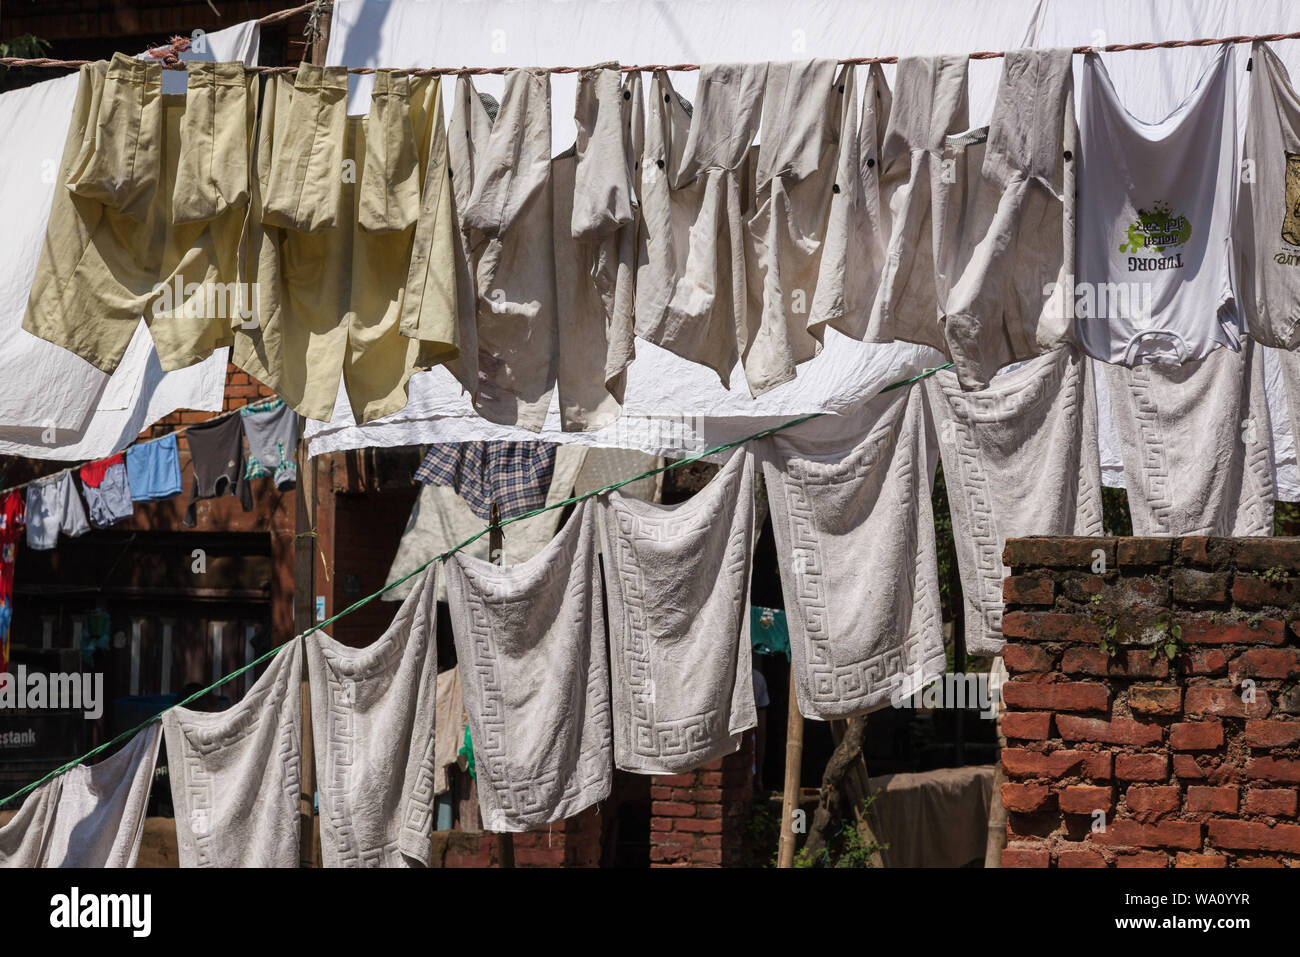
[841,87]
[627,94]
[870,163]
[660,164]
[667,98]
[835,188]
[1068,156]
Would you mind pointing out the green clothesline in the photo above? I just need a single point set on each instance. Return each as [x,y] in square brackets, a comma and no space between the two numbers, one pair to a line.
[437,558]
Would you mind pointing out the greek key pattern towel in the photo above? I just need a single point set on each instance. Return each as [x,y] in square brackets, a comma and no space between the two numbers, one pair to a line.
[850,499]
[529,641]
[678,579]
[372,716]
[236,775]
[1019,458]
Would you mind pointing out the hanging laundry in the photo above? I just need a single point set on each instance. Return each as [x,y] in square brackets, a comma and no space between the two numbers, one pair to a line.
[107,490]
[335,205]
[929,105]
[1196,444]
[152,218]
[1268,210]
[11,530]
[236,775]
[769,632]
[530,646]
[89,816]
[1155,222]
[595,216]
[1004,222]
[1019,459]
[500,159]
[678,579]
[857,230]
[53,505]
[217,457]
[806,120]
[850,499]
[372,719]
[153,470]
[449,728]
[691,295]
[271,428]
[515,476]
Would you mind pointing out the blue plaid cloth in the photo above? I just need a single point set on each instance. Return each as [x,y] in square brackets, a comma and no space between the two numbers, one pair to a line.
[515,475]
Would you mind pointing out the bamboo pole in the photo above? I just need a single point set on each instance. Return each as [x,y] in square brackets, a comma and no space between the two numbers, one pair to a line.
[793,764]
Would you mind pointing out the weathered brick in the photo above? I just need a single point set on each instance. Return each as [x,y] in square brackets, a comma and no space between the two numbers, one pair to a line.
[1194,587]
[1255,592]
[1265,553]
[1057,552]
[1143,551]
[1082,588]
[1196,735]
[1255,836]
[1224,702]
[1206,661]
[1195,549]
[1130,663]
[1266,663]
[1082,857]
[1275,802]
[1085,799]
[1013,856]
[1027,798]
[1245,862]
[1142,859]
[1203,631]
[1050,626]
[1027,725]
[1272,734]
[1153,800]
[1273,769]
[1020,658]
[1186,859]
[1056,696]
[1175,834]
[1023,763]
[1222,800]
[1028,590]
[1155,699]
[1116,731]
[1141,767]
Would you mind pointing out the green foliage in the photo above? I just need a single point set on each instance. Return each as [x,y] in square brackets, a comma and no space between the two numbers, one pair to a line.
[846,848]
[1169,643]
[1274,575]
[1115,517]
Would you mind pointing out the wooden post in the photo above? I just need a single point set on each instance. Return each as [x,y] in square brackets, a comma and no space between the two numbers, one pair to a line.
[496,554]
[304,587]
[793,765]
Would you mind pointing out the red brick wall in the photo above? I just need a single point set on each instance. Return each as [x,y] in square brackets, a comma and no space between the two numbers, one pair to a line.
[1118,759]
[698,819]
[575,842]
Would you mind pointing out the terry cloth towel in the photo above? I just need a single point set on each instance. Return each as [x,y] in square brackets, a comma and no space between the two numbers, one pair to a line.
[530,643]
[107,490]
[236,775]
[52,506]
[806,119]
[1155,229]
[501,183]
[1196,444]
[514,475]
[372,718]
[691,295]
[856,230]
[271,428]
[596,210]
[88,816]
[153,470]
[332,253]
[1004,222]
[929,105]
[217,454]
[151,222]
[449,728]
[850,499]
[1268,214]
[1019,459]
[678,579]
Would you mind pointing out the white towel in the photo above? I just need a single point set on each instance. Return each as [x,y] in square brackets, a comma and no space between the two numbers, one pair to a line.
[1019,458]
[678,579]
[236,775]
[89,816]
[1196,444]
[530,645]
[372,718]
[850,499]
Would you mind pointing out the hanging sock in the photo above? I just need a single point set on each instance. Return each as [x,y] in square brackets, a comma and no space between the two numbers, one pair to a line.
[108,492]
[691,295]
[529,641]
[678,579]
[217,457]
[54,506]
[1268,207]
[271,429]
[595,227]
[1155,255]
[850,499]
[1004,222]
[151,223]
[236,775]
[1196,444]
[89,816]
[372,717]
[1019,459]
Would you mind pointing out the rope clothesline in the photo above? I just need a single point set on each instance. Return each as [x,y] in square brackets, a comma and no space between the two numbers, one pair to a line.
[172,63]
[361,602]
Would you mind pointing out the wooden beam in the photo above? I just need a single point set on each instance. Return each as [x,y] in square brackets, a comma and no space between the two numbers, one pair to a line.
[793,765]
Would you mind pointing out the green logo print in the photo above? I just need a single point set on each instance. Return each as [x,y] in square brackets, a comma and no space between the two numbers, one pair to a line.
[1157,229]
